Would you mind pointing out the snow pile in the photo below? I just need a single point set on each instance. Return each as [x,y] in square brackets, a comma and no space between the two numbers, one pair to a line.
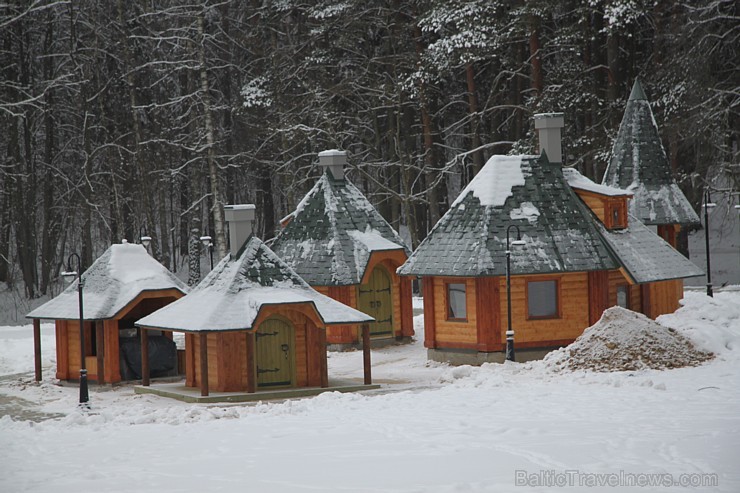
[623,340]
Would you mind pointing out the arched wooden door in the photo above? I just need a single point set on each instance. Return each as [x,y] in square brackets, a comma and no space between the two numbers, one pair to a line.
[275,353]
[375,299]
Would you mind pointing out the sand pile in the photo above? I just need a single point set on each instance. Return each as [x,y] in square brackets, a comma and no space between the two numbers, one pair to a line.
[623,340]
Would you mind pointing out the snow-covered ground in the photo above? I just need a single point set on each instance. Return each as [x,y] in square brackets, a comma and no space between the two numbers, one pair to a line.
[430,428]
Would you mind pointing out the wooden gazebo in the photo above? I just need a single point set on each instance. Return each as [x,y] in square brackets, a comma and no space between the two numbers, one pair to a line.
[340,244]
[253,323]
[124,284]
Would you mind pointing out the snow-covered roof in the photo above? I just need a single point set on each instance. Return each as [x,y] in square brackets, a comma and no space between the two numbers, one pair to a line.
[576,180]
[113,281]
[646,256]
[332,234]
[527,191]
[639,165]
[233,293]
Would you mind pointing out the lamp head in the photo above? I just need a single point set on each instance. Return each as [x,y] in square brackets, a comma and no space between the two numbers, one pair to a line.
[206,240]
[146,240]
[69,276]
[518,242]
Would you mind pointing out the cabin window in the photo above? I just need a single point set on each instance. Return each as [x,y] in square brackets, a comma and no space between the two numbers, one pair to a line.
[623,296]
[542,299]
[617,218]
[456,302]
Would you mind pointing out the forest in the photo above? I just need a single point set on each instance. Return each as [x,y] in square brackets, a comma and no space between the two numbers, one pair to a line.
[127,117]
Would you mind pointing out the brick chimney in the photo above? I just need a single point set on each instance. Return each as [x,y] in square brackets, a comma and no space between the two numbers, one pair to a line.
[548,127]
[334,160]
[241,225]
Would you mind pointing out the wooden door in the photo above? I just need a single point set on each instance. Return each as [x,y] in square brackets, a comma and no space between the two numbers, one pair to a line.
[275,354]
[375,299]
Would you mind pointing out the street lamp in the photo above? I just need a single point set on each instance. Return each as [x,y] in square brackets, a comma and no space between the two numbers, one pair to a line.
[708,205]
[70,274]
[206,240]
[509,332]
[144,238]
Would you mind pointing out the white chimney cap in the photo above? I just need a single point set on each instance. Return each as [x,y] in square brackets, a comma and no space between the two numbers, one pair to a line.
[334,160]
[549,120]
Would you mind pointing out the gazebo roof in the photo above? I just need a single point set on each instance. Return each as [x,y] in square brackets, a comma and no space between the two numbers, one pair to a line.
[639,165]
[332,234]
[114,280]
[527,191]
[233,293]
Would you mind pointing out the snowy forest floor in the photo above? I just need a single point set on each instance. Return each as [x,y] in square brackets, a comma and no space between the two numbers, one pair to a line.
[431,427]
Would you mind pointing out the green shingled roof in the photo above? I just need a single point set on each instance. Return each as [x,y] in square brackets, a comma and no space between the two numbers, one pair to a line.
[332,233]
[639,164]
[530,192]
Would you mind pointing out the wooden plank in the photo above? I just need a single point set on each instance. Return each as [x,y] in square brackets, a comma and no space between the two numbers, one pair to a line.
[598,294]
[190,372]
[487,316]
[100,351]
[430,333]
[342,334]
[646,307]
[251,373]
[203,363]
[366,354]
[112,370]
[37,349]
[144,357]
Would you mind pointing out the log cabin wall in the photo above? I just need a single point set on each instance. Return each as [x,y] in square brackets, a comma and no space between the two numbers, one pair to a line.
[669,232]
[663,297]
[62,350]
[604,205]
[574,314]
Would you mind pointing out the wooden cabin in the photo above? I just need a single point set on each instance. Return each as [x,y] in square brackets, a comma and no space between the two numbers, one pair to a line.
[124,284]
[639,164]
[252,323]
[341,245]
[582,253]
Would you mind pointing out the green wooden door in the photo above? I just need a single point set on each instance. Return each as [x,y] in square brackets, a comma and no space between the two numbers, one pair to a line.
[375,299]
[275,353]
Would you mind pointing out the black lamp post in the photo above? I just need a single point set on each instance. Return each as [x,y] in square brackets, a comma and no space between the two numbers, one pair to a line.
[509,332]
[144,238]
[71,274]
[708,205]
[206,240]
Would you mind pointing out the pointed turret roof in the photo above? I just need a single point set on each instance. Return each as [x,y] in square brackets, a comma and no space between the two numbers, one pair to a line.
[332,234]
[639,164]
[527,191]
[231,296]
[113,281]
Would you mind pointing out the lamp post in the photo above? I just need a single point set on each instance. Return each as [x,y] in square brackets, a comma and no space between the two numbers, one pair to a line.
[509,332]
[144,238]
[70,274]
[707,205]
[206,240]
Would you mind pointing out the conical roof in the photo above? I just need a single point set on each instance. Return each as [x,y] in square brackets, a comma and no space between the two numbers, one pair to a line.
[639,164]
[231,296]
[113,281]
[332,234]
[527,191]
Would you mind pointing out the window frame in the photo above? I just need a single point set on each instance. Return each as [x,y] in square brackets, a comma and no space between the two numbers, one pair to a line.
[447,284]
[627,291]
[615,208]
[558,298]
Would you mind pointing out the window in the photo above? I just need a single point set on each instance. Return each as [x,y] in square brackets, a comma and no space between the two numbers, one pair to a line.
[456,308]
[617,218]
[542,299]
[623,296]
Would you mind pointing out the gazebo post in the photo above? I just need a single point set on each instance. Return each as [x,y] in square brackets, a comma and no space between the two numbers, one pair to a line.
[144,357]
[100,350]
[37,348]
[251,377]
[324,364]
[366,353]
[204,364]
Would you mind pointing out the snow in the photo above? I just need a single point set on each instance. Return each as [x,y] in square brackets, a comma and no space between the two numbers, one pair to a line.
[431,428]
[527,210]
[576,180]
[493,183]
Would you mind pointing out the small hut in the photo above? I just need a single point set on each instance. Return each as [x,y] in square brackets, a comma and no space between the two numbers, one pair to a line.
[578,256]
[639,165]
[124,284]
[341,245]
[252,323]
